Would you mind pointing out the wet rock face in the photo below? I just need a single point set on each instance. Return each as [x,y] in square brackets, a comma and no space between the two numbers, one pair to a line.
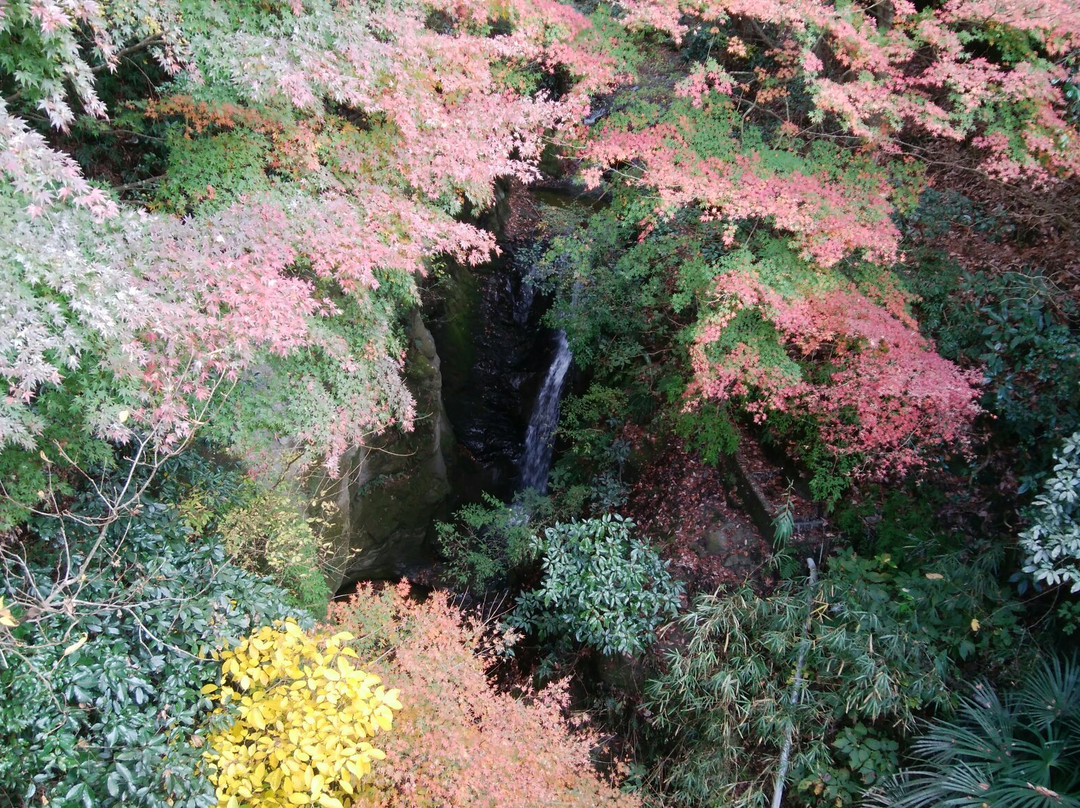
[474,383]
[491,384]
[475,376]
[495,351]
[398,484]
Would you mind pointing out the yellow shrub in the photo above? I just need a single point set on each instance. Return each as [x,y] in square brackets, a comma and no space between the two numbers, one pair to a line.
[304,716]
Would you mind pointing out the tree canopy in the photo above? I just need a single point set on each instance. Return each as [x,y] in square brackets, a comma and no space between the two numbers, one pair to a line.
[816,261]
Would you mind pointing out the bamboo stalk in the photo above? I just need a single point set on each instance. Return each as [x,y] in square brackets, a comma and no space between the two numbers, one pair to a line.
[796,692]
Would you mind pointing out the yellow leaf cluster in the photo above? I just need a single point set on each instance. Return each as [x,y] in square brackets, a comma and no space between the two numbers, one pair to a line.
[7,619]
[305,712]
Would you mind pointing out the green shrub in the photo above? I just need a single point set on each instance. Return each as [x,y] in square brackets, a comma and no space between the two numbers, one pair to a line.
[269,535]
[590,425]
[871,646]
[603,292]
[1019,750]
[264,530]
[829,475]
[102,672]
[489,539]
[1018,327]
[710,430]
[601,587]
[901,522]
[1052,544]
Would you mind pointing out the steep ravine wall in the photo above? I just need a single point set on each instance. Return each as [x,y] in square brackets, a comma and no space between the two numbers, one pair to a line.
[374,517]
[397,484]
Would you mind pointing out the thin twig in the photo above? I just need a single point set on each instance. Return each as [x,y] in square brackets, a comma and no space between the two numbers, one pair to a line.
[145,42]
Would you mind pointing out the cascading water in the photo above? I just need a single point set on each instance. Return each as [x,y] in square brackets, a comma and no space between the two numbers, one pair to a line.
[500,365]
[539,437]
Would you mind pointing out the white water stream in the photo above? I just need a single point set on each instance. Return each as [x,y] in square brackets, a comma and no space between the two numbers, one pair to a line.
[540,436]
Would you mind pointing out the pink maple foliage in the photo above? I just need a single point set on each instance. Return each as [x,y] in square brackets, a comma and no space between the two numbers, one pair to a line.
[194,305]
[459,741]
[43,176]
[887,394]
[828,219]
[885,71]
[457,126]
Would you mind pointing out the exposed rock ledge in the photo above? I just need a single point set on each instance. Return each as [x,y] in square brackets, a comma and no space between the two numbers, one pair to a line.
[391,489]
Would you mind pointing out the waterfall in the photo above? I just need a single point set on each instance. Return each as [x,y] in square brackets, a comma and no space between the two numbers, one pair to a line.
[539,438]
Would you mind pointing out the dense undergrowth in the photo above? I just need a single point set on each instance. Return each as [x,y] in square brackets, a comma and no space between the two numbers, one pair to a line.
[841,232]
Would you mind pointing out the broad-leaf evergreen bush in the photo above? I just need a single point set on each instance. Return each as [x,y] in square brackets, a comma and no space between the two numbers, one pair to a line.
[1052,544]
[601,587]
[102,671]
[1023,336]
